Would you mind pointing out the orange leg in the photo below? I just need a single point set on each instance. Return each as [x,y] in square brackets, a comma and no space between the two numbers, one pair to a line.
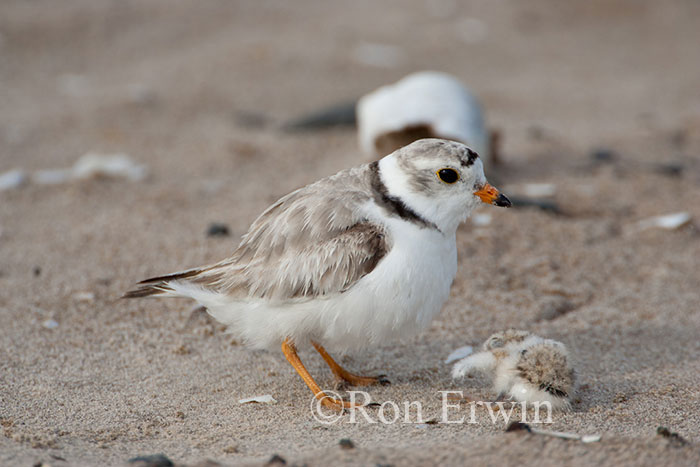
[345,375]
[291,353]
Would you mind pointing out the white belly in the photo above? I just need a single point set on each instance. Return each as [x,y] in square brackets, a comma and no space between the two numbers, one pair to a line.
[398,298]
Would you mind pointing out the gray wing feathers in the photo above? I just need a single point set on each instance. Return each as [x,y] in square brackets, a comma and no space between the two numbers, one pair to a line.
[312,242]
[320,268]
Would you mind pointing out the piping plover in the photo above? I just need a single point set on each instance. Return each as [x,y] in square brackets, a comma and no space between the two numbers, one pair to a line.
[525,367]
[351,260]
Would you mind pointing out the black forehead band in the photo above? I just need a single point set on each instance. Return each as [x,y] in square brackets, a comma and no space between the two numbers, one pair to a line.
[471,157]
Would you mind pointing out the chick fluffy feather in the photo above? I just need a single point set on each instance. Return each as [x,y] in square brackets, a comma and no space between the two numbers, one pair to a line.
[524,367]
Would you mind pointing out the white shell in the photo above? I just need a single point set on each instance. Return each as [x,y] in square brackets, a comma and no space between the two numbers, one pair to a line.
[93,165]
[423,98]
[111,165]
[266,399]
[52,176]
[50,324]
[12,179]
[667,222]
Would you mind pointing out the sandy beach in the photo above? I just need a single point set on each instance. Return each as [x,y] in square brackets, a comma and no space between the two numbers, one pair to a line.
[598,101]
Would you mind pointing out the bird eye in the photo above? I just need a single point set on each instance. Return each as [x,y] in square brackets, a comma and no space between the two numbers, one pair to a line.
[449,176]
[494,343]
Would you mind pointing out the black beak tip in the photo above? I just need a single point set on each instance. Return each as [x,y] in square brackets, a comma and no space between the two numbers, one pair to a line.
[503,201]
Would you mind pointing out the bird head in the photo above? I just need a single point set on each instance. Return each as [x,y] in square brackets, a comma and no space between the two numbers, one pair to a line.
[441,180]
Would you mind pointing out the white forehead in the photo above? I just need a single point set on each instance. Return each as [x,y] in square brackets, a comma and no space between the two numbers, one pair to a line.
[433,154]
[429,151]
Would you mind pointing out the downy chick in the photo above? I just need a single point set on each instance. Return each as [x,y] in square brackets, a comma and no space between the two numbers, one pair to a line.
[524,367]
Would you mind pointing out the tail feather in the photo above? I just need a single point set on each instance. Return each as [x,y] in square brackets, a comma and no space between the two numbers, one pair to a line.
[145,291]
[173,277]
[159,285]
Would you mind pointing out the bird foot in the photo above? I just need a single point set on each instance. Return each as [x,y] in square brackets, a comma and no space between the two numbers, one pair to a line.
[349,379]
[341,405]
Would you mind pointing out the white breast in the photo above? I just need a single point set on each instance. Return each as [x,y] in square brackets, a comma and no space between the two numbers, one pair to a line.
[401,295]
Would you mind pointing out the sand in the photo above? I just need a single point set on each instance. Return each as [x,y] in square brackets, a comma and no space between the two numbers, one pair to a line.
[197,91]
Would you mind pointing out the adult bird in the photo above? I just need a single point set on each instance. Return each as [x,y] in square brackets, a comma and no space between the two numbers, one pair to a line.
[354,259]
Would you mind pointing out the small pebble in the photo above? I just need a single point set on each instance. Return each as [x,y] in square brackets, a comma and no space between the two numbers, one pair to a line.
[182,350]
[670,170]
[346,443]
[603,155]
[50,324]
[276,459]
[675,438]
[154,460]
[427,424]
[218,230]
[517,426]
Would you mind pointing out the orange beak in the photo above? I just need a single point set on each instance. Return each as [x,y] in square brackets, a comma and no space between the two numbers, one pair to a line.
[491,195]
